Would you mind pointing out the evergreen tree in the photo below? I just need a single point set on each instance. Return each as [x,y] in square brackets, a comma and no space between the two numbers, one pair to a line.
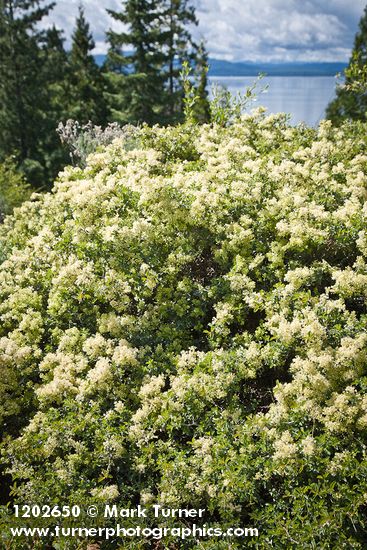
[179,48]
[58,86]
[87,98]
[56,68]
[23,87]
[145,82]
[351,99]
[136,80]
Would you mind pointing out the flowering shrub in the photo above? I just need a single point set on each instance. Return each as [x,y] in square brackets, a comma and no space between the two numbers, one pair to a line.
[82,140]
[184,322]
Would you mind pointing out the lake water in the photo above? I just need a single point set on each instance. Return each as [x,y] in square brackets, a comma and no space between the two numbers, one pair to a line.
[305,98]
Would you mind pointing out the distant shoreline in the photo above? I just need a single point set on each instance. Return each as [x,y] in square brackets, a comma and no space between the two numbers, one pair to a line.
[255,75]
[218,67]
[229,69]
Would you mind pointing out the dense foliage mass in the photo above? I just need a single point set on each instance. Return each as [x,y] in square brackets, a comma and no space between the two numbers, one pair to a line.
[13,188]
[26,80]
[351,96]
[184,321]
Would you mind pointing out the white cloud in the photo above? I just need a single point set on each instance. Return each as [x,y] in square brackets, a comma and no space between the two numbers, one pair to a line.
[280,30]
[65,12]
[257,30]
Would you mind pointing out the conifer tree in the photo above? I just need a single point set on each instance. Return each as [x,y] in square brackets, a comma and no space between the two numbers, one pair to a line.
[179,48]
[145,81]
[351,99]
[58,85]
[56,65]
[87,98]
[136,79]
[23,86]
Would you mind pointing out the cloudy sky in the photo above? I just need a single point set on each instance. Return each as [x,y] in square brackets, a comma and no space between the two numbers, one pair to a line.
[256,30]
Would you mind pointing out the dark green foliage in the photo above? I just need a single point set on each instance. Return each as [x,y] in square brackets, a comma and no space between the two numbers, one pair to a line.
[24,98]
[351,100]
[57,73]
[136,80]
[145,83]
[87,85]
[56,68]
[41,85]
[179,48]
